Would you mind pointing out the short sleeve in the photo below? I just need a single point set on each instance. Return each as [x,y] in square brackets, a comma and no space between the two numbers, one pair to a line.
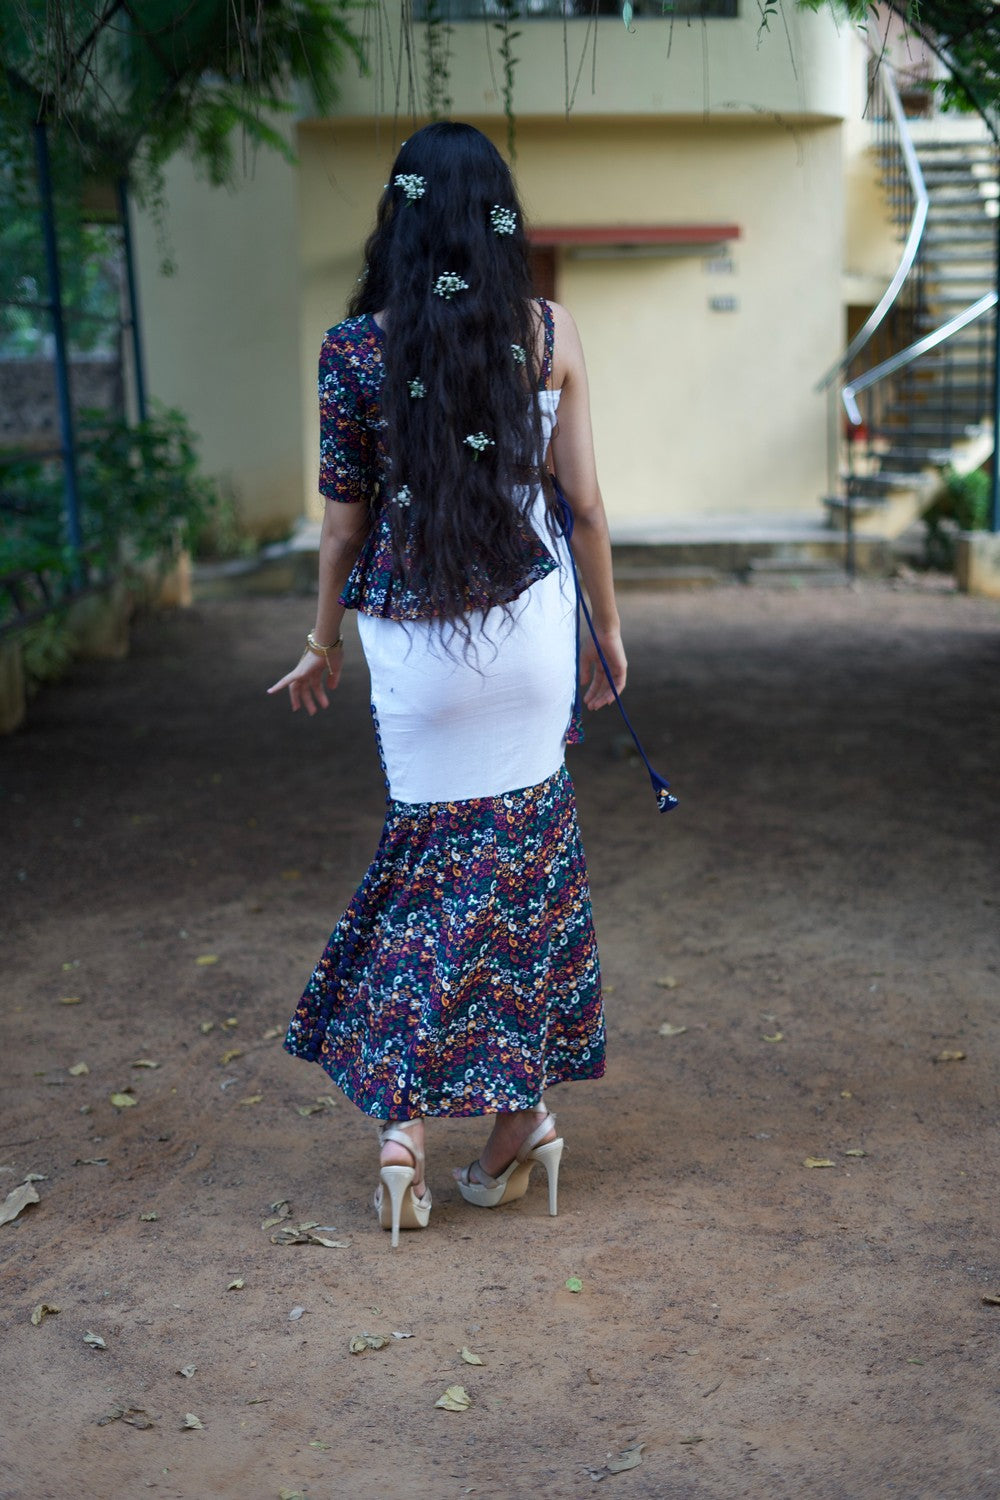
[346,443]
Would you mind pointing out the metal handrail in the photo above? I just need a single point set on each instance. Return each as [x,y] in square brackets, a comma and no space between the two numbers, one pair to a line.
[913,351]
[913,238]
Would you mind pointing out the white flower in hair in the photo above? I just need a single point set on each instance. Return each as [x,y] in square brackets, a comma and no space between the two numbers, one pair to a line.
[503,220]
[416,388]
[518,352]
[478,442]
[447,284]
[413,186]
[403,496]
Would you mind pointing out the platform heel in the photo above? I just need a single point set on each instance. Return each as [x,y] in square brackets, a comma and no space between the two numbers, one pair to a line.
[396,1204]
[478,1187]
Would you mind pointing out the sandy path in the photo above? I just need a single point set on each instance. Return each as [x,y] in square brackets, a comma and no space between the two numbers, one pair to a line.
[765,1329]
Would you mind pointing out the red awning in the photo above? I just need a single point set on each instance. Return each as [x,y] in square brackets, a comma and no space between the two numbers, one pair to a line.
[633,234]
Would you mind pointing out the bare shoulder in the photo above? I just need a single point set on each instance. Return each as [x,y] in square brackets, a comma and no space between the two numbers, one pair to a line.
[568,352]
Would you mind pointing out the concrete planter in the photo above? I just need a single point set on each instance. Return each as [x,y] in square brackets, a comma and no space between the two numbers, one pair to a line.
[977,563]
[175,584]
[13,702]
[98,624]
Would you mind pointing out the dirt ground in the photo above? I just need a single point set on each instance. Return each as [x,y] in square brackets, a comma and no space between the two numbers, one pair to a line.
[820,914]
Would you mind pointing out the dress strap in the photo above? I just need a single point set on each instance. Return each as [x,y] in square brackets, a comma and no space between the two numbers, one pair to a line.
[550,342]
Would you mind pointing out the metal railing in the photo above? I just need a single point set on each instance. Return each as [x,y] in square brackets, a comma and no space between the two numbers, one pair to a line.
[908,199]
[893,322]
[914,351]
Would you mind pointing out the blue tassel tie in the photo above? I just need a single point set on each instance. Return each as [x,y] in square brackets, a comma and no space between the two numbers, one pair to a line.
[665,800]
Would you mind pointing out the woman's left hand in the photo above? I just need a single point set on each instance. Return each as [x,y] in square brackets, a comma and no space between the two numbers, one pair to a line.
[307,683]
[597,692]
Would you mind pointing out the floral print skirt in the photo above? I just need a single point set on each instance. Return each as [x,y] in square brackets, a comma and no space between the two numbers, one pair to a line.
[463,978]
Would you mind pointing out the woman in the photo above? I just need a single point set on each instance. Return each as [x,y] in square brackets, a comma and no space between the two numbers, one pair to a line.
[463,977]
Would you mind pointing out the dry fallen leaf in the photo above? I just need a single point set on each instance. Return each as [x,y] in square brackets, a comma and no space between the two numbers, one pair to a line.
[629,1458]
[252,1099]
[296,1314]
[70,1000]
[818,1161]
[204,959]
[669,1029]
[145,1062]
[134,1416]
[855,1151]
[592,1378]
[17,1201]
[306,1234]
[205,1027]
[187,1371]
[455,1398]
[123,1101]
[272,1033]
[319,1443]
[43,1310]
[469,1358]
[362,1342]
[78,1070]
[991,1300]
[94,1340]
[190,1420]
[149,1218]
[91,1161]
[775,1036]
[695,1437]
[230,1056]
[291,1495]
[399,1335]
[279,1211]
[846,1094]
[573,1284]
[237,1285]
[950,1056]
[668,982]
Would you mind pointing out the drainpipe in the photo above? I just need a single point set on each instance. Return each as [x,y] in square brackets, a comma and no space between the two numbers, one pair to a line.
[66,427]
[135,329]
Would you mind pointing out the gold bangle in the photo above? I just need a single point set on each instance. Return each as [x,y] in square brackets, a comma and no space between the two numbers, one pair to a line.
[313,645]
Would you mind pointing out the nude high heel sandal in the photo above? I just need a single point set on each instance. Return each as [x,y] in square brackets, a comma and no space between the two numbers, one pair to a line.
[396,1204]
[489,1192]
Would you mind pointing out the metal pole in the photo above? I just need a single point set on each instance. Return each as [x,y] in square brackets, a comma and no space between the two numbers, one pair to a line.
[135,329]
[995,461]
[66,428]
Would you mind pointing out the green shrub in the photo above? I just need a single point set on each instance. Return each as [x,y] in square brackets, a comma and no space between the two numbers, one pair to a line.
[963,506]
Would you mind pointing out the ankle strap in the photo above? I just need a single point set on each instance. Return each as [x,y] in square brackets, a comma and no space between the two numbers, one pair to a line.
[547,1124]
[395,1131]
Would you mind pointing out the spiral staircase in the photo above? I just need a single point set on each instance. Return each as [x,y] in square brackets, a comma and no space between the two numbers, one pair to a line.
[912,401]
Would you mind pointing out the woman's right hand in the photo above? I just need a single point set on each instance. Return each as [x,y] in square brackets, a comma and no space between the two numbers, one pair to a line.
[307,682]
[593,679]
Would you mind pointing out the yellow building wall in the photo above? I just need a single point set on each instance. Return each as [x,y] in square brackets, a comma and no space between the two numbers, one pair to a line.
[697,413]
[689,67]
[222,333]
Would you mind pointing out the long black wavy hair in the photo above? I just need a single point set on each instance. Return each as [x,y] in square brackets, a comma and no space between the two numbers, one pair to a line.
[457,365]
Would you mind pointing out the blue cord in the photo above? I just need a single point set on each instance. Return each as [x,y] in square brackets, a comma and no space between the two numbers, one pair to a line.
[665,799]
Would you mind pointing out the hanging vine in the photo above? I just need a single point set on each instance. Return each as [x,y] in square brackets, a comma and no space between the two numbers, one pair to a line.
[437,53]
[509,13]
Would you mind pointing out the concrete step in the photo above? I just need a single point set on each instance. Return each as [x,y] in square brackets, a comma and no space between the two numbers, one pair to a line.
[667,576]
[796,573]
